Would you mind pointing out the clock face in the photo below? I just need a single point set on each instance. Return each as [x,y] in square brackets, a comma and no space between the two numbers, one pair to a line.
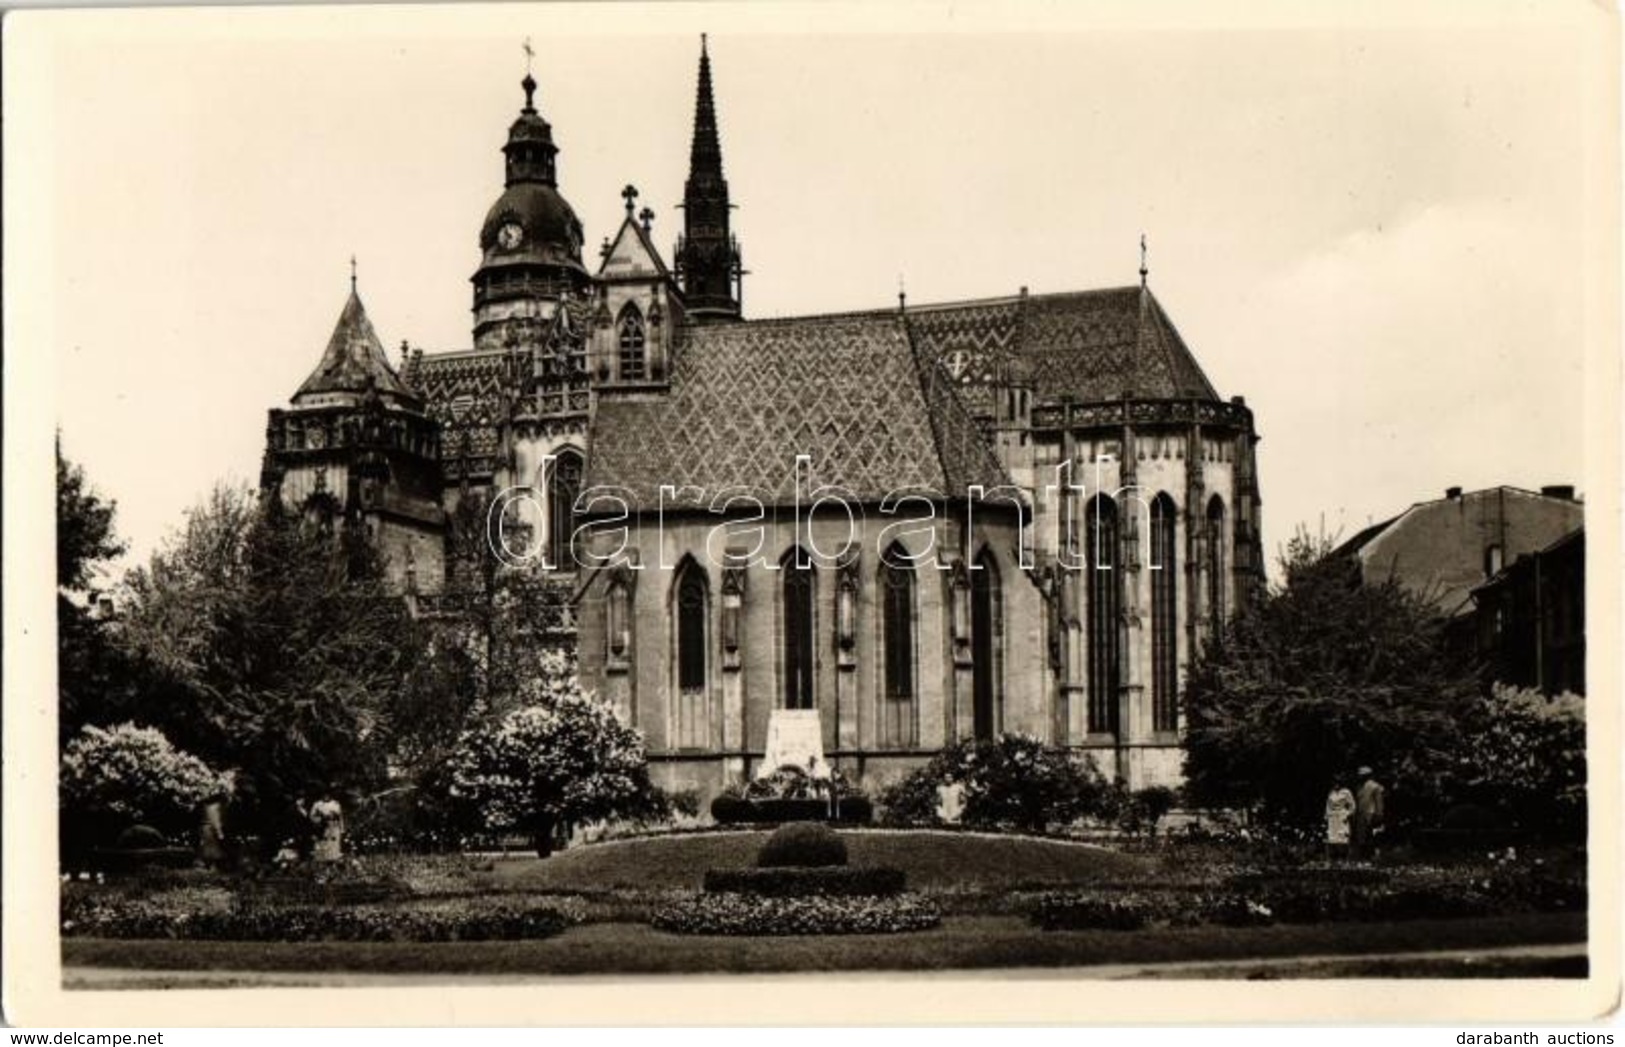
[511,235]
[957,361]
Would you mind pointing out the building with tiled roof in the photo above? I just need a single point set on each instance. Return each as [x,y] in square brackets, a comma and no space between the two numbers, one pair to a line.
[906,526]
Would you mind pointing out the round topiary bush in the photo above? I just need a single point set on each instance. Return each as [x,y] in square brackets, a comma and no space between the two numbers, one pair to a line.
[805,844]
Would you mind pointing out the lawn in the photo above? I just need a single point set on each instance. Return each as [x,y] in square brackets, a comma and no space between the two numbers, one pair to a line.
[933,861]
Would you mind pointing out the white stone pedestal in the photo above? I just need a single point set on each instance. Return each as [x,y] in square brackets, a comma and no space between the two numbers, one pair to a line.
[795,737]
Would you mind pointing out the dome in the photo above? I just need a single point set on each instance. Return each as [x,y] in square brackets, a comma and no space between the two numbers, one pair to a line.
[531,223]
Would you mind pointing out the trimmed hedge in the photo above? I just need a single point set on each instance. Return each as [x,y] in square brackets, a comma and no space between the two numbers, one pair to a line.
[314,924]
[732,810]
[832,881]
[803,844]
[748,914]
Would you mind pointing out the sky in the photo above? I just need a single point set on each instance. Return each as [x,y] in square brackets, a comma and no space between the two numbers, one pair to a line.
[1378,235]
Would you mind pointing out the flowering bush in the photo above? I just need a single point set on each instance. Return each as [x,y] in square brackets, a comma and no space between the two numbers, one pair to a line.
[1525,754]
[754,914]
[115,777]
[564,758]
[1014,781]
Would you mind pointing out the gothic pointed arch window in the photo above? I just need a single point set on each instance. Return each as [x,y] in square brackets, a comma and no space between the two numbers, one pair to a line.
[897,631]
[1164,616]
[633,345]
[691,614]
[563,488]
[1215,566]
[1105,670]
[987,648]
[799,597]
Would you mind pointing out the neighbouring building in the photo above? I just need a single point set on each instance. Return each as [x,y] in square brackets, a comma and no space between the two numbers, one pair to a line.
[1530,619]
[1044,506]
[1443,549]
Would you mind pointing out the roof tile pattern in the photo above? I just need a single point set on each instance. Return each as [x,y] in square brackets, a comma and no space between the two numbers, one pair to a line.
[746,399]
[1086,346]
[353,360]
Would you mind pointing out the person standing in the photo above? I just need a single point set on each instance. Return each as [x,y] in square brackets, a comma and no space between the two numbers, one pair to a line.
[211,842]
[327,818]
[1340,805]
[1368,814]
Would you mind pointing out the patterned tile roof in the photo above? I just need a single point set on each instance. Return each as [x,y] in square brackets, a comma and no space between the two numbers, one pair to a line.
[1086,346]
[854,392]
[354,357]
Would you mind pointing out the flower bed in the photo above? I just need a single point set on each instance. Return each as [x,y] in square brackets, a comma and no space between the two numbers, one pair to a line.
[107,918]
[790,882]
[754,914]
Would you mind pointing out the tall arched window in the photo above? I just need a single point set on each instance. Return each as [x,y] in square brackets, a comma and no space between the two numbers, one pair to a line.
[1100,546]
[563,488]
[800,592]
[897,717]
[986,631]
[1164,615]
[691,596]
[1215,566]
[633,359]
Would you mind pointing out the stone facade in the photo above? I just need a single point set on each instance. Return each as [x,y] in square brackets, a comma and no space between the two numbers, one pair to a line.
[929,522]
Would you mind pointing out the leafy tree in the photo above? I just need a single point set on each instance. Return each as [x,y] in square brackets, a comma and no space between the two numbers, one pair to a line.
[275,648]
[90,671]
[1323,675]
[561,757]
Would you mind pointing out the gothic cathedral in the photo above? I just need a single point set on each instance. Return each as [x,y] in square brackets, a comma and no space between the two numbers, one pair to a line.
[1022,513]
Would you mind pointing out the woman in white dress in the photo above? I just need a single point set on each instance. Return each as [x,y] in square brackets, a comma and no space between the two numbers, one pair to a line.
[1339,809]
[327,817]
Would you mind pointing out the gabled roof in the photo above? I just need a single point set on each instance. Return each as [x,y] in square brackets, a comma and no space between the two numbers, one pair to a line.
[354,360]
[1086,345]
[625,250]
[853,392]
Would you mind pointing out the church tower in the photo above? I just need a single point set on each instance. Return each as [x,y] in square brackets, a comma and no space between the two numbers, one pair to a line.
[530,241]
[356,448]
[707,255]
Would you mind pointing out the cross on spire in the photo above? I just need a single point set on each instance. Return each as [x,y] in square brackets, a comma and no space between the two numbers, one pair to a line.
[630,195]
[647,217]
[1144,271]
[530,53]
[352,274]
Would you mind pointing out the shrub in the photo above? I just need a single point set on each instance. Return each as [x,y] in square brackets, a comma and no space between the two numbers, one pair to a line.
[116,777]
[790,882]
[1011,782]
[805,844]
[140,838]
[748,914]
[566,758]
[1119,912]
[1525,754]
[732,810]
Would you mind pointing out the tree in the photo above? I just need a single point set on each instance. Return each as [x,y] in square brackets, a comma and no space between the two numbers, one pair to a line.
[561,757]
[274,647]
[1324,675]
[90,672]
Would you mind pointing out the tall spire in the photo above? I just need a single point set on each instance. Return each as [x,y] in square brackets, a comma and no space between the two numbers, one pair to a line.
[708,262]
